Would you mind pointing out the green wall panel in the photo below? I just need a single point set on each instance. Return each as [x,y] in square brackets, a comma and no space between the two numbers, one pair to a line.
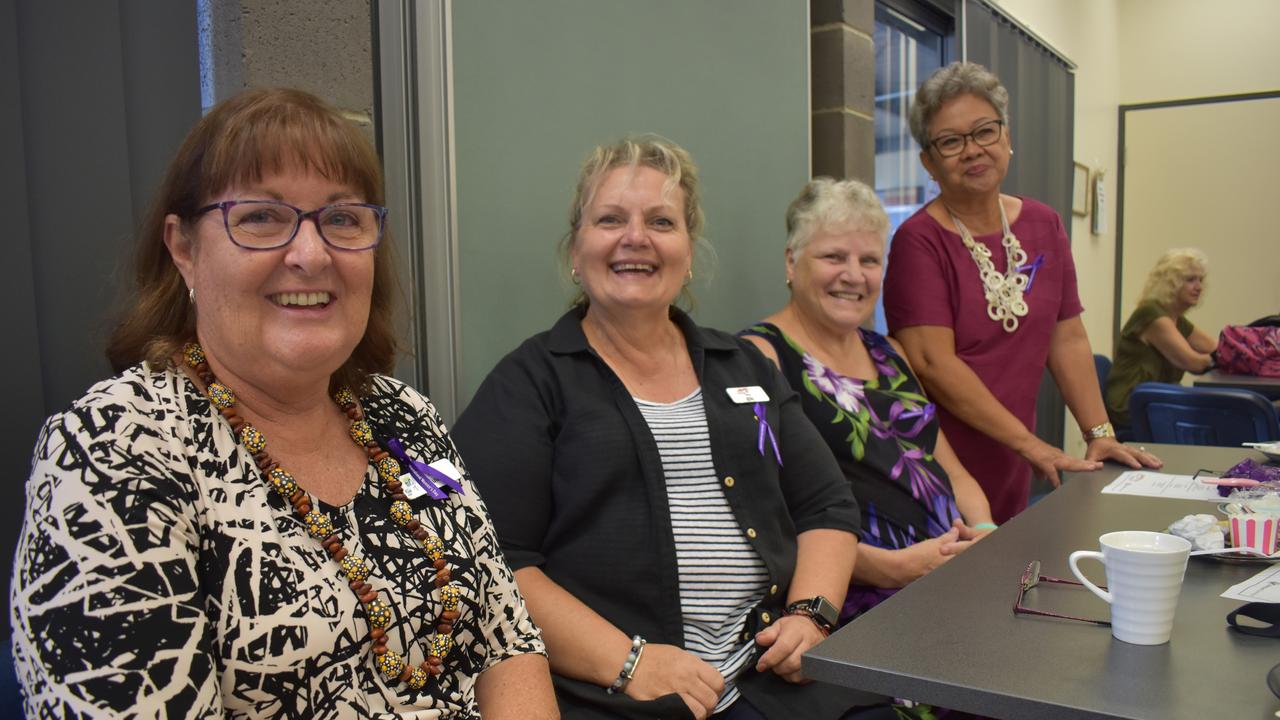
[538,84]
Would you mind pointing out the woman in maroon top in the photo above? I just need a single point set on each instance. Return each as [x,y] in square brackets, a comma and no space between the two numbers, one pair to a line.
[981,292]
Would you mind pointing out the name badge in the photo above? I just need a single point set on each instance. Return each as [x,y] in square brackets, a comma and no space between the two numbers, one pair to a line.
[445,466]
[747,394]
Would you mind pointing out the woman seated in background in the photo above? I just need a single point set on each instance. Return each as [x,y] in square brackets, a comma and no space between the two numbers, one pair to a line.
[1158,343]
[219,530]
[980,290]
[919,505]
[678,528]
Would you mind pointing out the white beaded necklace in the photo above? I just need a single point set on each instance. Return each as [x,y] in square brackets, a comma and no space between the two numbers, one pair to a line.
[1005,303]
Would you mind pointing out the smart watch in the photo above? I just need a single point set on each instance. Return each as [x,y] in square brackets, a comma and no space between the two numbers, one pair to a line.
[818,609]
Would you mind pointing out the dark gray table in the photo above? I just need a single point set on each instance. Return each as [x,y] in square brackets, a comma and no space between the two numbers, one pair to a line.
[951,638]
[1266,386]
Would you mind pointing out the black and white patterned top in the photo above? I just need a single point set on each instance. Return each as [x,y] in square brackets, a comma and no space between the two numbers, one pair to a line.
[158,575]
[722,577]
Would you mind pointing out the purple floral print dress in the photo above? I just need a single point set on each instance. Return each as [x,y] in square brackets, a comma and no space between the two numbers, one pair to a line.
[883,432]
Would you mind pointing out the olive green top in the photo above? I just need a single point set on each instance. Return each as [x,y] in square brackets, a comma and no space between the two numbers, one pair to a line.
[1137,362]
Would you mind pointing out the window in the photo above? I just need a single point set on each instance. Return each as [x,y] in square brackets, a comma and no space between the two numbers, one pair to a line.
[911,41]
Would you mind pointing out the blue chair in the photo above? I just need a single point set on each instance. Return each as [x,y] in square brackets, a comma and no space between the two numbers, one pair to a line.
[1102,365]
[1180,415]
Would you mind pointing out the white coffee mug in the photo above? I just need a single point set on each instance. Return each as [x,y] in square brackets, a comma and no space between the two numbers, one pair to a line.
[1144,579]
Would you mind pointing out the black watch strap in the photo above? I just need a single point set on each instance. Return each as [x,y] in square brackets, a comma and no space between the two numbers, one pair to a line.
[819,609]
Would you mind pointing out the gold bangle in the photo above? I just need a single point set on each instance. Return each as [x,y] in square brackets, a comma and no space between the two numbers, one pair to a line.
[1099,431]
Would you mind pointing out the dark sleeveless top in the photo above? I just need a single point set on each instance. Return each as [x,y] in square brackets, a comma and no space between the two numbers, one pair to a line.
[883,432]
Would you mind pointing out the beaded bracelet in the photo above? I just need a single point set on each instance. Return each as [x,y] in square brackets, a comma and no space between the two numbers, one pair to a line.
[629,667]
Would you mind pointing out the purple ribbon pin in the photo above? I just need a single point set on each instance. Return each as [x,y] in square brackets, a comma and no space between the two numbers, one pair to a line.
[765,430]
[922,416]
[430,479]
[1033,267]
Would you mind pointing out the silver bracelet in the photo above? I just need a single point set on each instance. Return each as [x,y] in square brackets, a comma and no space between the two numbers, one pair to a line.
[629,667]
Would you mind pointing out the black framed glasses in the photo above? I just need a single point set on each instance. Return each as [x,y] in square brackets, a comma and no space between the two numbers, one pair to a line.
[1032,577]
[952,144]
[268,224]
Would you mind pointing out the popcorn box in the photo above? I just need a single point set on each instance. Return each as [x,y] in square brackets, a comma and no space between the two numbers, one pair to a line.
[1254,531]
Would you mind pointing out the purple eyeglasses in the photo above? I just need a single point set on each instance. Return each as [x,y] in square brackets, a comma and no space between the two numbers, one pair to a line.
[269,224]
[1032,577]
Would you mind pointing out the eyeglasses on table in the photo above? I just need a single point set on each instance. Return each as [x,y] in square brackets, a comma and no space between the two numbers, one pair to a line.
[1031,577]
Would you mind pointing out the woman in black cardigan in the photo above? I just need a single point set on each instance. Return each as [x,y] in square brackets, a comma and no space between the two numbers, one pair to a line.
[679,530]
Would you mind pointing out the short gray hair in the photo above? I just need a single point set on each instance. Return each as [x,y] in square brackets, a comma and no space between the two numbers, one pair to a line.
[825,202]
[958,78]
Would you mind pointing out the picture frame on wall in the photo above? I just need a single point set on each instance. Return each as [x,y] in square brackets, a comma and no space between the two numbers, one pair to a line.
[1080,190]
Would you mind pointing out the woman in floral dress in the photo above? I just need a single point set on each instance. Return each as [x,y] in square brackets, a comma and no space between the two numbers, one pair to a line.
[920,507]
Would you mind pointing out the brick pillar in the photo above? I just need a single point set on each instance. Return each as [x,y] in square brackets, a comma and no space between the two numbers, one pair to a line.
[842,71]
[322,46]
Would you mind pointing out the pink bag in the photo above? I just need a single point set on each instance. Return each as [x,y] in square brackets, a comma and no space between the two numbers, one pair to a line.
[1249,351]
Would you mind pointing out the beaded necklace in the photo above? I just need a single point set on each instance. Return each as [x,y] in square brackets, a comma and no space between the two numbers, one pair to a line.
[391,664]
[1005,303]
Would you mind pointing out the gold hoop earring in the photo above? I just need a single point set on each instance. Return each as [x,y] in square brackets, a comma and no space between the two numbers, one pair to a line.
[191,295]
[788,283]
[573,275]
[688,277]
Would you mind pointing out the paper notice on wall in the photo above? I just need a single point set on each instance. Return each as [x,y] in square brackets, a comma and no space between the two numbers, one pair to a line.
[1162,485]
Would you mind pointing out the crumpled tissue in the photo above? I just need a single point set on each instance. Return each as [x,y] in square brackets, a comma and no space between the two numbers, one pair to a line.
[1202,530]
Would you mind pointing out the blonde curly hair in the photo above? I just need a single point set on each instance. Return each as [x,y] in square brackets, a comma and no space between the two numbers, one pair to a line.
[1170,272]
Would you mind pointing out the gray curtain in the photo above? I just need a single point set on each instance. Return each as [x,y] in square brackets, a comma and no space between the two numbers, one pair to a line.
[94,99]
[1041,106]
[1041,122]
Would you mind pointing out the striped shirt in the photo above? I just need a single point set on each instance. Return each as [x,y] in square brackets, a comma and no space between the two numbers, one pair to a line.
[721,575]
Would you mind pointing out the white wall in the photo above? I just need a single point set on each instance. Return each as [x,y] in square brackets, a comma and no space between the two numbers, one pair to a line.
[1175,49]
[1136,51]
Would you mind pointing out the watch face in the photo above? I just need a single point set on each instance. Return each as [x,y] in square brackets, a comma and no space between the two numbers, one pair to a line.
[824,609]
[818,608]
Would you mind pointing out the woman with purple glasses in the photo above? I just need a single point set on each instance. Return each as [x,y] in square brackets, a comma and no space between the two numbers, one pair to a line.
[222,529]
